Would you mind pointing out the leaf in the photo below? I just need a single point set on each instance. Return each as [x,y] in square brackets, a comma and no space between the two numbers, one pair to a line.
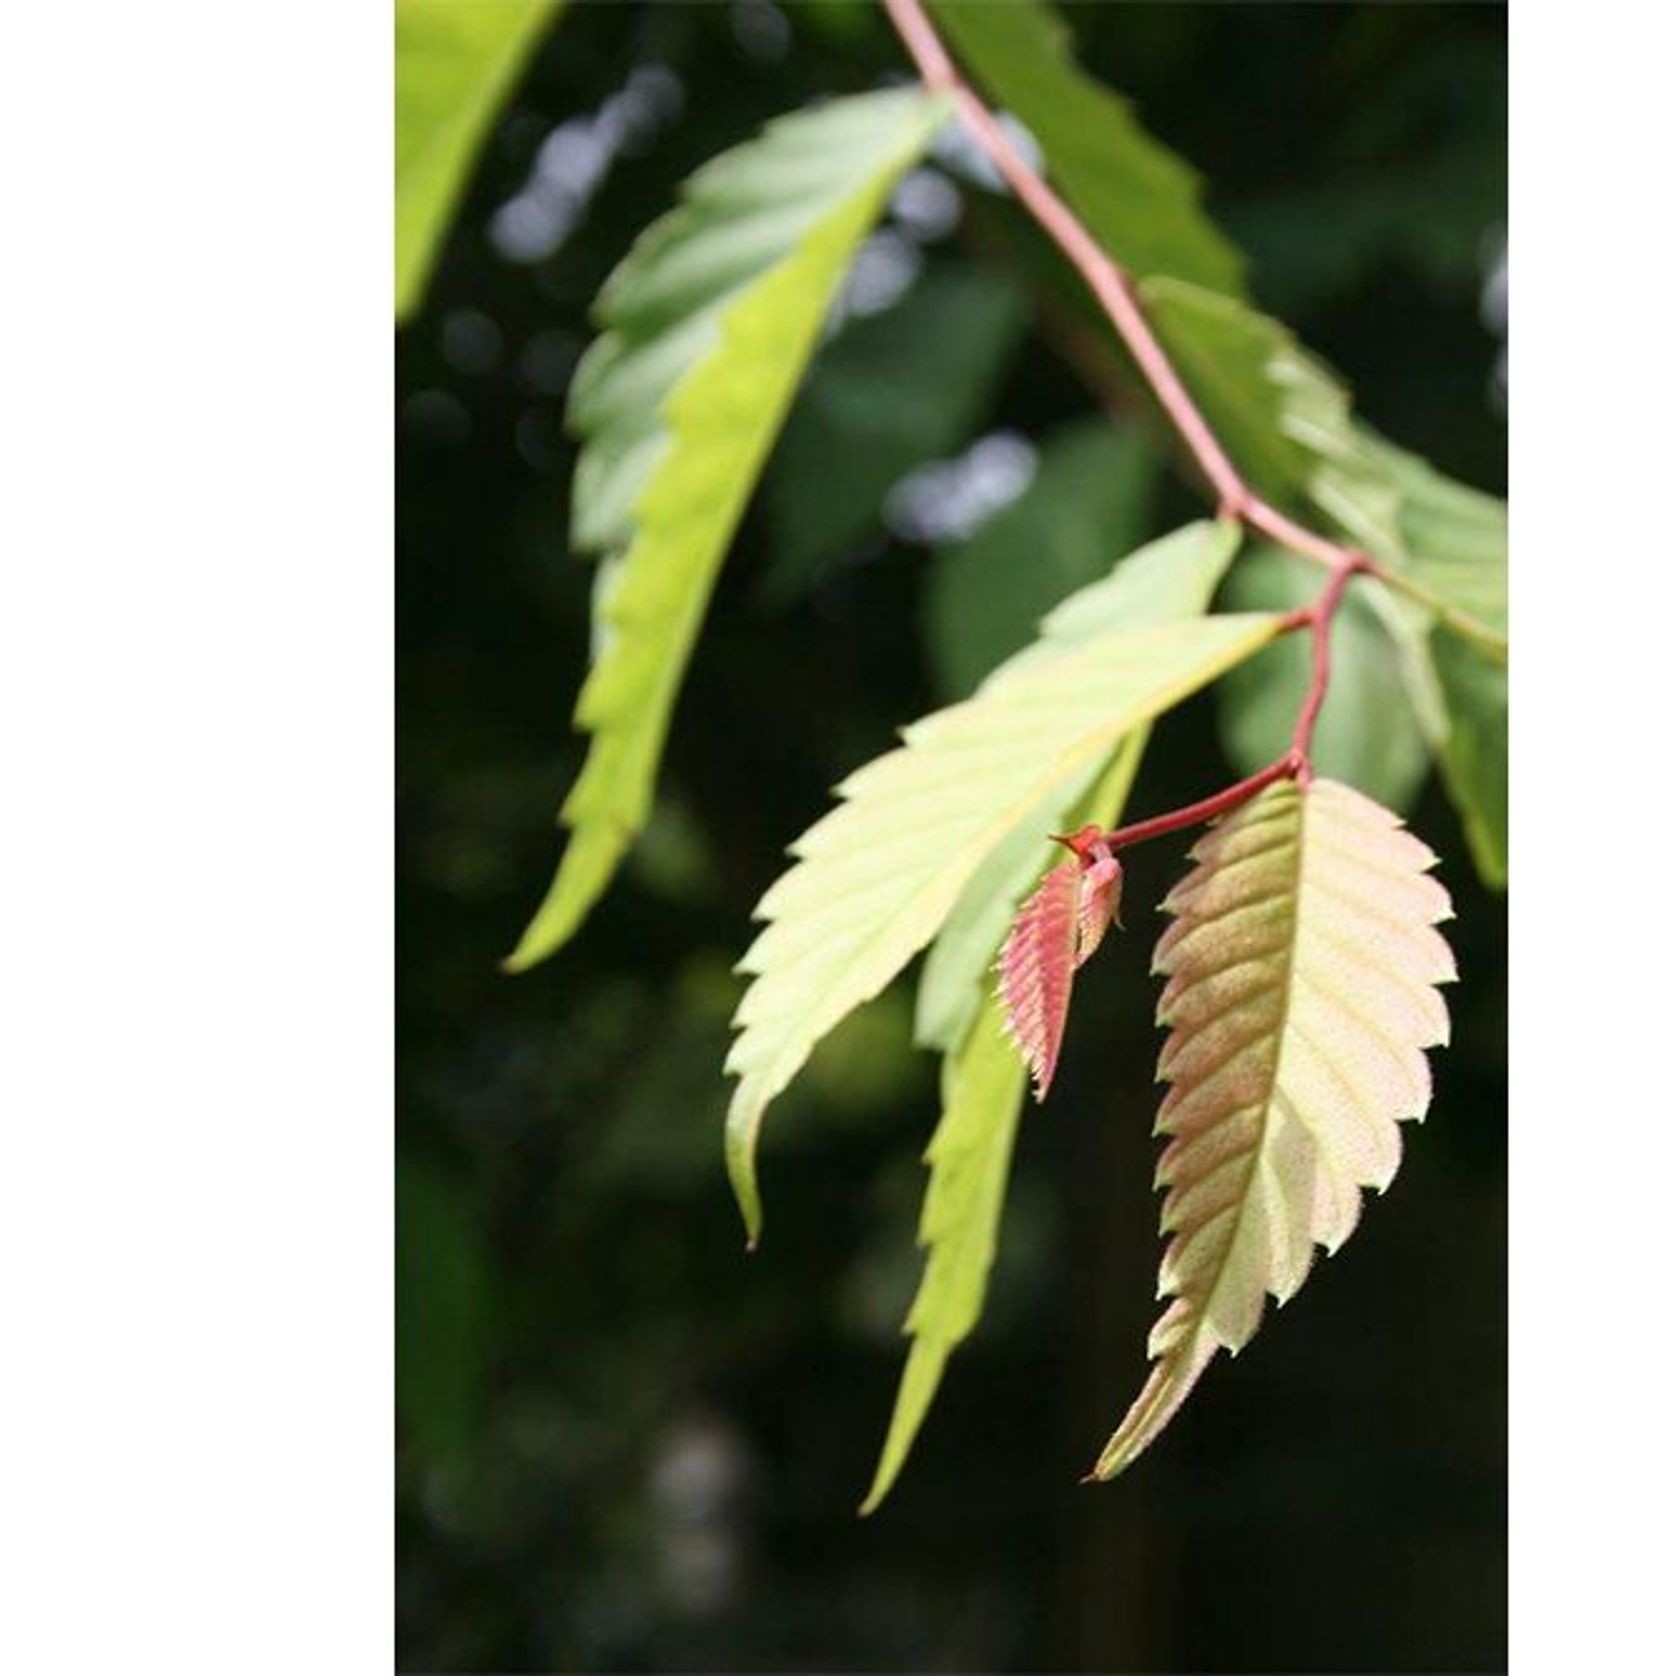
[891,391]
[1036,966]
[1473,755]
[1301,965]
[984,1077]
[877,876]
[1100,905]
[455,63]
[710,321]
[1091,496]
[1061,924]
[1367,734]
[969,1155]
[1166,581]
[1134,195]
[1281,413]
[1453,550]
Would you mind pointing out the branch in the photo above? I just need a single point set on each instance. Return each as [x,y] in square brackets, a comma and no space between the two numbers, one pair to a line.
[1114,291]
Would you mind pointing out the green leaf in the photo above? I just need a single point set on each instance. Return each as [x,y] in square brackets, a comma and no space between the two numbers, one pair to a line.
[1166,581]
[1302,965]
[455,62]
[1452,558]
[1091,497]
[877,876]
[1367,733]
[1473,756]
[710,321]
[890,392]
[971,1150]
[1280,412]
[1134,195]
[1453,548]
[969,1155]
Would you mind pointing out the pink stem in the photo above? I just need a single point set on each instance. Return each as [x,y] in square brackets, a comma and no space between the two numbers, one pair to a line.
[1114,292]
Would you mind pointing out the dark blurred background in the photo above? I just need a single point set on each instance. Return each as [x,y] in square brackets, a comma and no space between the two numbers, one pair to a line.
[623,1445]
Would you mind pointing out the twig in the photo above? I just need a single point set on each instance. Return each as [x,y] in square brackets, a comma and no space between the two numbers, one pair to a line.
[1114,292]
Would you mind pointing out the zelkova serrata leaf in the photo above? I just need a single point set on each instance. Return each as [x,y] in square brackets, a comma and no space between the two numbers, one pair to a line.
[878,875]
[1302,966]
[710,321]
[455,64]
[1058,928]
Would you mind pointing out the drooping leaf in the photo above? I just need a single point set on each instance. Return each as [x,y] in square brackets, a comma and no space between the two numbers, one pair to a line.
[983,1094]
[455,63]
[1134,195]
[1473,755]
[1091,496]
[1302,967]
[890,392]
[969,1155]
[1367,734]
[710,321]
[1166,581]
[876,877]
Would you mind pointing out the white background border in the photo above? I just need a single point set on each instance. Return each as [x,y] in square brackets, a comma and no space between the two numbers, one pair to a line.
[196,681]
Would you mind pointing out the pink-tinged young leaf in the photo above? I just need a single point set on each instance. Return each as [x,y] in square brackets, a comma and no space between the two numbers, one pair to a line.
[1036,967]
[1101,905]
[1302,966]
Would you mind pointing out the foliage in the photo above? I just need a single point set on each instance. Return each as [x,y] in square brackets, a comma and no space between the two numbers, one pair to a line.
[1302,962]
[709,322]
[454,64]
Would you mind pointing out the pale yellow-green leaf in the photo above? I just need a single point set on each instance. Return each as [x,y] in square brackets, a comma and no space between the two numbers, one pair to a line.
[712,319]
[1164,581]
[1302,967]
[876,877]
[969,1155]
[961,1222]
[455,63]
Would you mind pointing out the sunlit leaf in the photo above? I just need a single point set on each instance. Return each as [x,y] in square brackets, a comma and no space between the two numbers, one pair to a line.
[1136,196]
[1166,581]
[710,321]
[456,61]
[876,877]
[969,1155]
[1302,966]
[983,1094]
